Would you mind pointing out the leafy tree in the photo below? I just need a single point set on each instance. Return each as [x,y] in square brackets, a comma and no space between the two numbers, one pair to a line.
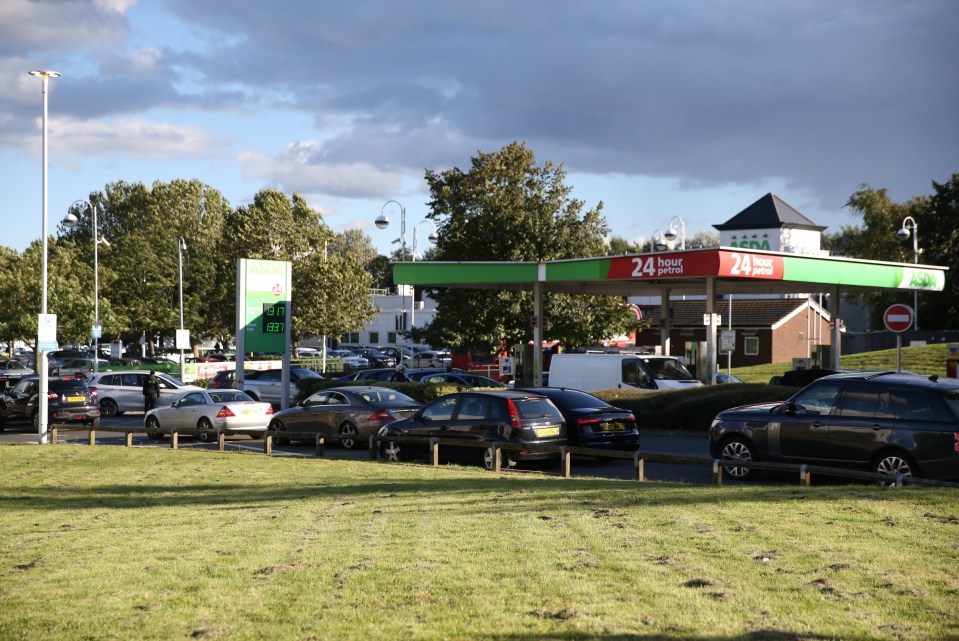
[937,217]
[619,246]
[330,291]
[506,208]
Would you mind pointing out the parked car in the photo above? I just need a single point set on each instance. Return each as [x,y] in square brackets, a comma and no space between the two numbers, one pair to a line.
[803,377]
[592,422]
[79,367]
[380,374]
[903,424]
[69,400]
[350,360]
[121,392]
[352,412]
[224,379]
[415,374]
[459,378]
[428,358]
[267,385]
[480,417]
[375,357]
[208,410]
[723,378]
[11,371]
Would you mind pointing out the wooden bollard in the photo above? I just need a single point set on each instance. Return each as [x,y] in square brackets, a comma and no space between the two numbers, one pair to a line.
[93,437]
[221,441]
[639,463]
[565,457]
[717,473]
[129,440]
[174,440]
[268,445]
[434,453]
[53,436]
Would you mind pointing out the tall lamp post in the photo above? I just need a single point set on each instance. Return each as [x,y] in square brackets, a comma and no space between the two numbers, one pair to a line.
[671,234]
[70,221]
[382,222]
[181,247]
[42,364]
[910,229]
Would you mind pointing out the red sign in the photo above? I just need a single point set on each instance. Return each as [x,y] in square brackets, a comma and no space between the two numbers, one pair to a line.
[898,318]
[693,264]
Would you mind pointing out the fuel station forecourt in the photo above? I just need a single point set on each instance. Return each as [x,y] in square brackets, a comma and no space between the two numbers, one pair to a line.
[713,272]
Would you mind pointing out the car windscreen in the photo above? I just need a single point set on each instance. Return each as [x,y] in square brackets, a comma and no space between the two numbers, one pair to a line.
[64,386]
[229,395]
[170,379]
[536,408]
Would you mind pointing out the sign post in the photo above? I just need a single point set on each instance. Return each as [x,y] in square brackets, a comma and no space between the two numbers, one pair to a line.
[898,318]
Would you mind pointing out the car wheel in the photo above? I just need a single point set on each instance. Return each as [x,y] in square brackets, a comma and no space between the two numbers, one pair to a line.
[348,436]
[36,422]
[896,463]
[153,424]
[489,459]
[93,422]
[738,449]
[205,424]
[392,451]
[278,426]
[109,407]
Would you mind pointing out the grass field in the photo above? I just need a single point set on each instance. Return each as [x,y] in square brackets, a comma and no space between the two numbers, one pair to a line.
[116,543]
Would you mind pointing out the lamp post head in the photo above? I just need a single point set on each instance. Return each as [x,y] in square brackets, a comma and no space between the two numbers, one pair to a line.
[45,74]
[69,221]
[182,244]
[903,234]
[433,237]
[382,222]
[670,234]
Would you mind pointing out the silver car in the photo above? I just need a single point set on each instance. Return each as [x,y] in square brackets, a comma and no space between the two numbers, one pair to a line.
[121,392]
[208,410]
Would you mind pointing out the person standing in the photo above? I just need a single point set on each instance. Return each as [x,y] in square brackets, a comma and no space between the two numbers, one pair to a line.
[151,391]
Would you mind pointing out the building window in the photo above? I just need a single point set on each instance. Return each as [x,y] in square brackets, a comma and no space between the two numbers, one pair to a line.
[374,337]
[391,338]
[752,345]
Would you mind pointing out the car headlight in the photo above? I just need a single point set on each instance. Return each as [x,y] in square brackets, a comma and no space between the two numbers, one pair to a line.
[717,423]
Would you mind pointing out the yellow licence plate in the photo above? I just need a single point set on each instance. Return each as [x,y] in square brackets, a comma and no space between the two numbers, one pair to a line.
[613,427]
[76,399]
[547,431]
[251,411]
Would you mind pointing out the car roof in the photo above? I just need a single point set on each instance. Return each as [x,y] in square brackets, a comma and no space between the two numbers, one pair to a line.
[892,377]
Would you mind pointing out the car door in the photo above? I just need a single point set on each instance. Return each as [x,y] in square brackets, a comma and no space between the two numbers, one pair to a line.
[861,424]
[328,416]
[803,427]
[184,412]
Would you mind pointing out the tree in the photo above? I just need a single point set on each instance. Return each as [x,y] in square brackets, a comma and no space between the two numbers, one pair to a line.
[937,217]
[506,208]
[331,292]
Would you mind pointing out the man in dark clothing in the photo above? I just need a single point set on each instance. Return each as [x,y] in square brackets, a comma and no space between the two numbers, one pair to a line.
[151,391]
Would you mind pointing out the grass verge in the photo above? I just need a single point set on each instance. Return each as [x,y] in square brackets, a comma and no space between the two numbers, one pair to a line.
[116,543]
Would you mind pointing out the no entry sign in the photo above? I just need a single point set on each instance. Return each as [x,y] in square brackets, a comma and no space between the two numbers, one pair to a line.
[898,318]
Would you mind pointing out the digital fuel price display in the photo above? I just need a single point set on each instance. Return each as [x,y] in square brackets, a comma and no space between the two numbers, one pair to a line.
[274,318]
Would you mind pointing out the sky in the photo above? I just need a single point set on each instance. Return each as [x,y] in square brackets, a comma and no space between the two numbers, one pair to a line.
[656,109]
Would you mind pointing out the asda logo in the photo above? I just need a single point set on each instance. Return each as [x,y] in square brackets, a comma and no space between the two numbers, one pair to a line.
[751,244]
[922,279]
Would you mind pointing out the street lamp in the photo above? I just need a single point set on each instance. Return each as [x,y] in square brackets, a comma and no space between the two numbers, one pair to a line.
[671,234]
[70,221]
[659,243]
[42,360]
[181,247]
[431,238]
[910,229]
[382,222]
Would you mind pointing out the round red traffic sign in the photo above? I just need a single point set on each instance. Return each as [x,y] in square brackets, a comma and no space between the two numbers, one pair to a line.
[898,318]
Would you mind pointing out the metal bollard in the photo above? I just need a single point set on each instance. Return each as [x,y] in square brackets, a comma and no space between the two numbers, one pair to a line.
[319,445]
[717,472]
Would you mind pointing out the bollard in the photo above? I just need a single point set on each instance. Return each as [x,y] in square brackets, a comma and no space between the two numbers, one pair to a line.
[319,445]
[565,458]
[268,445]
[640,467]
[497,459]
[434,453]
[93,437]
[128,440]
[174,440]
[220,440]
[372,448]
[717,472]
[53,436]
[805,478]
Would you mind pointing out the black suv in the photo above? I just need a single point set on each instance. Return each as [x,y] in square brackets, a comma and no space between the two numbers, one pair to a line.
[487,417]
[903,424]
[69,401]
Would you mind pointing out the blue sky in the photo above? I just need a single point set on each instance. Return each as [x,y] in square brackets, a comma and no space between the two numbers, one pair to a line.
[657,109]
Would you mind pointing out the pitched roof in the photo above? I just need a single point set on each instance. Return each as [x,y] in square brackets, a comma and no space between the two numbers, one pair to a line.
[769,212]
[763,312]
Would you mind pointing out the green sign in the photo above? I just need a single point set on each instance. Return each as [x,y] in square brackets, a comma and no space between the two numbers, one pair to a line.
[263,304]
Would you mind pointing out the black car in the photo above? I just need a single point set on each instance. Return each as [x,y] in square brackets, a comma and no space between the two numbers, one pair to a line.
[903,424]
[592,422]
[480,416]
[375,357]
[224,379]
[69,401]
[382,374]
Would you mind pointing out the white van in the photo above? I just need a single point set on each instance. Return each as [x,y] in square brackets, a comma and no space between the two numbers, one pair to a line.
[588,372]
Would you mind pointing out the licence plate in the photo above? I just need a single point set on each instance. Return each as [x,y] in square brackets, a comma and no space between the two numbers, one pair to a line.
[251,411]
[76,399]
[547,431]
[613,427]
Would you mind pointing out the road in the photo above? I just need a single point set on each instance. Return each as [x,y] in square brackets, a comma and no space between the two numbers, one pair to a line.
[653,441]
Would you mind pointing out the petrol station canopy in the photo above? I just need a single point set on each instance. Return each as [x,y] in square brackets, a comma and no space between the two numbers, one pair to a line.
[713,272]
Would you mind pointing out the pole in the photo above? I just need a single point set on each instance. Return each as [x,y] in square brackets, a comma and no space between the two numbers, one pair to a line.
[96,293]
[42,365]
[180,247]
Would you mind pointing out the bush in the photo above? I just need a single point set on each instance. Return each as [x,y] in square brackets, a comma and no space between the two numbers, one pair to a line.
[691,409]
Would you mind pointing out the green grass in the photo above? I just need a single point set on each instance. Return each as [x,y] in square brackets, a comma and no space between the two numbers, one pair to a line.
[922,359]
[116,543]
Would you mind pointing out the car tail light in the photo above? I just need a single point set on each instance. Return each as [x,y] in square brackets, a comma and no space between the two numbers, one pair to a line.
[269,411]
[588,421]
[93,390]
[224,412]
[93,393]
[215,384]
[52,396]
[382,415]
[514,418]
